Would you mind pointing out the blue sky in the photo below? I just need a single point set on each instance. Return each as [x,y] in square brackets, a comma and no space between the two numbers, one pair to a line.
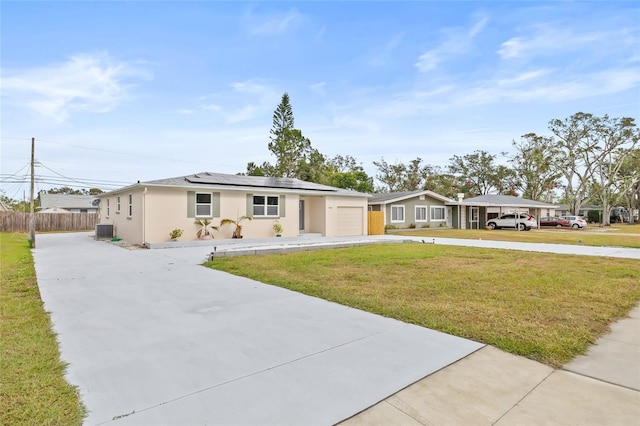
[126,91]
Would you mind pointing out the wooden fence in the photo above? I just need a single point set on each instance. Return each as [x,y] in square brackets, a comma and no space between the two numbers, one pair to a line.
[48,222]
[376,223]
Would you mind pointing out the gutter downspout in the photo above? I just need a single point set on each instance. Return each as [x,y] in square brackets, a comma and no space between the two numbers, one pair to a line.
[144,216]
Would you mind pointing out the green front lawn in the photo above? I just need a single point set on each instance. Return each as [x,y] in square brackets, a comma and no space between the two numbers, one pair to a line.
[616,236]
[33,390]
[547,307]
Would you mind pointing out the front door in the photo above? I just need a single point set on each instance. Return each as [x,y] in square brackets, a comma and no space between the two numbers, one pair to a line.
[301,215]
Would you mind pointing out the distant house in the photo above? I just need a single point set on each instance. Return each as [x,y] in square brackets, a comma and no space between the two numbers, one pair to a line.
[563,210]
[420,209]
[474,213]
[146,212]
[65,203]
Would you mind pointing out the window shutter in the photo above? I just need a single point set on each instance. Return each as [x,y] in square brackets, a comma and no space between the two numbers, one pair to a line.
[282,205]
[191,204]
[215,199]
[250,205]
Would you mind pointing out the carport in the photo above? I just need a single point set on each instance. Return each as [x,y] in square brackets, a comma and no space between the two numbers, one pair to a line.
[475,212]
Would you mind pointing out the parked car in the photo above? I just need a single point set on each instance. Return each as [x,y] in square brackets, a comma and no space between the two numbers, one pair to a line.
[576,221]
[558,222]
[523,221]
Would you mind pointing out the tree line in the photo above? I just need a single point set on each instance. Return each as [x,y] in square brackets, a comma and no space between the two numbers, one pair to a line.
[585,159]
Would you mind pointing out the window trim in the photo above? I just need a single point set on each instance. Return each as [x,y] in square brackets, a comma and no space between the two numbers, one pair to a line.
[118,205]
[266,206]
[130,206]
[402,207]
[444,210]
[426,218]
[196,204]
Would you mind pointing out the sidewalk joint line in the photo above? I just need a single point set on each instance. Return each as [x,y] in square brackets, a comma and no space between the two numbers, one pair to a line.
[525,396]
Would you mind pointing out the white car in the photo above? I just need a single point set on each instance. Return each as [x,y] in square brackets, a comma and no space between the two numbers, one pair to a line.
[523,222]
[576,221]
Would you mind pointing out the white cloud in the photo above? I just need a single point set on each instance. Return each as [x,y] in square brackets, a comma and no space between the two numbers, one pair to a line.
[86,82]
[318,88]
[478,27]
[548,40]
[245,101]
[428,61]
[272,24]
[457,42]
[384,54]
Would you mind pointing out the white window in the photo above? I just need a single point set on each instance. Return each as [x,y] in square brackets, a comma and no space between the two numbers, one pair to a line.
[438,213]
[266,205]
[130,205]
[108,208]
[118,205]
[397,213]
[204,204]
[421,213]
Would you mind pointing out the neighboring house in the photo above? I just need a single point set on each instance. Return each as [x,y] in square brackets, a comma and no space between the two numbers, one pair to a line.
[65,203]
[406,209]
[563,210]
[146,212]
[474,213]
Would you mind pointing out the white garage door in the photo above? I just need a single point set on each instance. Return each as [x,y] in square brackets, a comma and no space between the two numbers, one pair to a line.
[350,221]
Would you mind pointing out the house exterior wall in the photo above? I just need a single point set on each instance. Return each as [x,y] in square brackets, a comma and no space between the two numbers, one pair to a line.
[410,212]
[126,226]
[156,211]
[168,208]
[315,215]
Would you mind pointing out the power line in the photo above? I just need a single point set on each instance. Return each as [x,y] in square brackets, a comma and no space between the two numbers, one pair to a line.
[122,153]
[74,179]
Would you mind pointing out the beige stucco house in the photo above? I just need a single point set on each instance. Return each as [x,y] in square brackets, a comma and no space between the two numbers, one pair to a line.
[420,209]
[146,212]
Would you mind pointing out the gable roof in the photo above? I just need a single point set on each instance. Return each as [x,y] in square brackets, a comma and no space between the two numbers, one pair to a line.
[394,197]
[66,201]
[238,182]
[504,200]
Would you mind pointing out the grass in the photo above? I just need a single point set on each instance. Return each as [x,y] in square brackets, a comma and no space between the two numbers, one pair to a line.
[546,307]
[617,235]
[32,385]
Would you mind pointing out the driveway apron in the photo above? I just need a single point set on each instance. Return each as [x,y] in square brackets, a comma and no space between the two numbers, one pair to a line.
[152,337]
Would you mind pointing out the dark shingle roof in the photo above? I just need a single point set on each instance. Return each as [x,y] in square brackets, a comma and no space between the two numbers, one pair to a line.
[505,200]
[237,181]
[66,201]
[384,198]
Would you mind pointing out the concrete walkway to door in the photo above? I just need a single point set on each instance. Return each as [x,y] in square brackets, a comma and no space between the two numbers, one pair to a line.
[153,338]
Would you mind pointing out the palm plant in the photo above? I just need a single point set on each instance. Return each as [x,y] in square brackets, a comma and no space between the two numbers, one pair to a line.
[237,232]
[205,225]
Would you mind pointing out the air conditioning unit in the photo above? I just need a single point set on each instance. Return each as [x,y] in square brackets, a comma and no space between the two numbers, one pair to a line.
[104,232]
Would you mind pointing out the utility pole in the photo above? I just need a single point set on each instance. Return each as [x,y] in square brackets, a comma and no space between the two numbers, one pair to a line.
[32,216]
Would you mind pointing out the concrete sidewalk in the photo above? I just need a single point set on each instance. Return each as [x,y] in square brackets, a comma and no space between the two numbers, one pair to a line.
[492,387]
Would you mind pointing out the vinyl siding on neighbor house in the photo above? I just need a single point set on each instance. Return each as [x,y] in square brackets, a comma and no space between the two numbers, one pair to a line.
[410,212]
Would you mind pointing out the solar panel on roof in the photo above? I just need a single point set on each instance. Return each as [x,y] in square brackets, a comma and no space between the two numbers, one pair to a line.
[257,182]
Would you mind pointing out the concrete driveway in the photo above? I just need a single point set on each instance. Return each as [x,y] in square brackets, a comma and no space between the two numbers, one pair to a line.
[153,338]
